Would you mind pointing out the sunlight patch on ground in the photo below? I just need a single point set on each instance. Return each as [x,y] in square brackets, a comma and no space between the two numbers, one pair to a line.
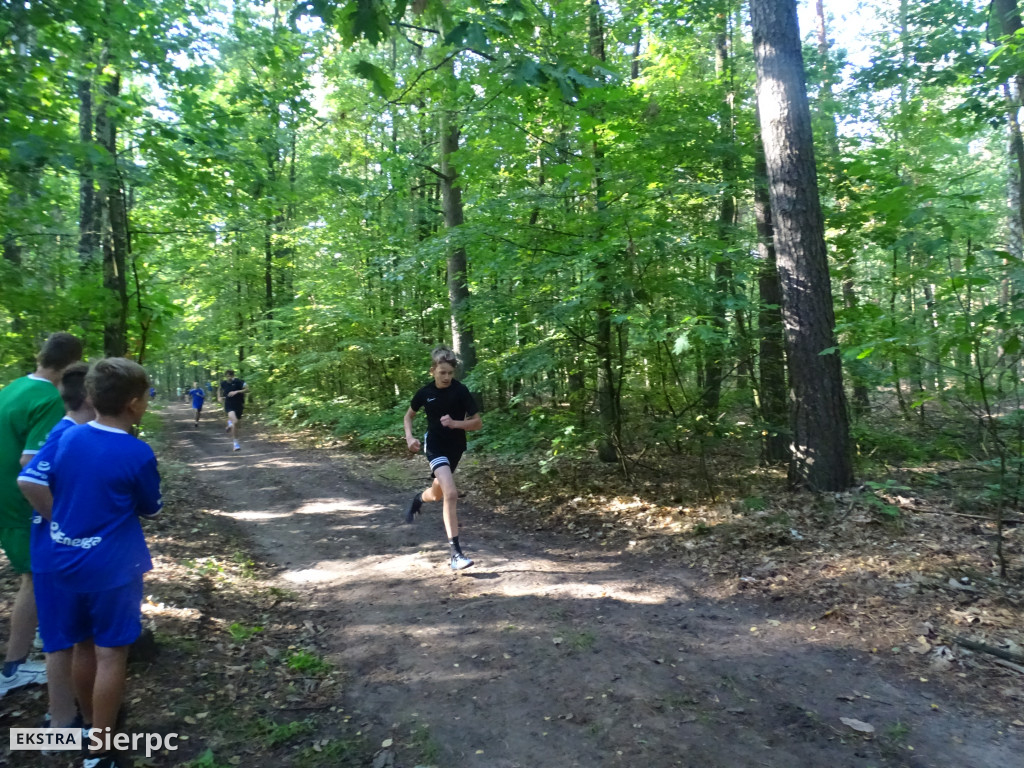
[252,514]
[584,591]
[310,575]
[326,506]
[342,571]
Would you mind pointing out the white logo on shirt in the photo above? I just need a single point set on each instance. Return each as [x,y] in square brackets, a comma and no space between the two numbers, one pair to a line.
[60,537]
[43,466]
[431,399]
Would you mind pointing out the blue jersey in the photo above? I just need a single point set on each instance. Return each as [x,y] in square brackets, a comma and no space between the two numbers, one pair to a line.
[38,471]
[198,396]
[102,480]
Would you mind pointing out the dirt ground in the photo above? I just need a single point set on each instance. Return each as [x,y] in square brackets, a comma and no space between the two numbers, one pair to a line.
[550,651]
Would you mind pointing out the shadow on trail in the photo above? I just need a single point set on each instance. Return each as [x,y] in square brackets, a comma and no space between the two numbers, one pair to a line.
[546,655]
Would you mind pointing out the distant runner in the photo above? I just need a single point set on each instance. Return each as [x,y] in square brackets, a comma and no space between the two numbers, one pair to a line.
[232,393]
[198,396]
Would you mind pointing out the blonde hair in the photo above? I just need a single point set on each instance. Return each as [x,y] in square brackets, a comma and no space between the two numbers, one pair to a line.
[443,355]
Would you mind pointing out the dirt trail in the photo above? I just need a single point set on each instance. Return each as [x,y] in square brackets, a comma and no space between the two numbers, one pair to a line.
[546,655]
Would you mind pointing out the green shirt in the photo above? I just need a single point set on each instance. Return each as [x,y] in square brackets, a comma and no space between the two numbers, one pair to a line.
[29,408]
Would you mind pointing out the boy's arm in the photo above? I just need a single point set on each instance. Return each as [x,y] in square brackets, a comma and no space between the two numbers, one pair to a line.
[472,424]
[148,500]
[38,495]
[34,478]
[410,441]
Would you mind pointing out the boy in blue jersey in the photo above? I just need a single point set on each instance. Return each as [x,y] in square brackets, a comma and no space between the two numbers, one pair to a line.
[100,482]
[78,410]
[198,396]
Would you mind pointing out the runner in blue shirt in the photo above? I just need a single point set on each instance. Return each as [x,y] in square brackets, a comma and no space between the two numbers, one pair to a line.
[101,480]
[198,398]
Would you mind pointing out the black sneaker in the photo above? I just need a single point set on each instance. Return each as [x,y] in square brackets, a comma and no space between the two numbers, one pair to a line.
[413,508]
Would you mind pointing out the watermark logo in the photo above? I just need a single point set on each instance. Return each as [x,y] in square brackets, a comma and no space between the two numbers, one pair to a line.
[96,740]
[38,739]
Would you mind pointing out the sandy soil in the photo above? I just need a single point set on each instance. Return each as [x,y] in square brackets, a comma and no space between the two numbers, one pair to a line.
[546,653]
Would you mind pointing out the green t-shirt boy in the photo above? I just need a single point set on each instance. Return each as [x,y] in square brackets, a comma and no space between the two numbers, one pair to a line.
[29,408]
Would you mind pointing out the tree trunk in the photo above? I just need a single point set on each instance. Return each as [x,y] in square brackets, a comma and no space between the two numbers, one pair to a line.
[772,346]
[114,217]
[716,349]
[463,341]
[607,411]
[821,457]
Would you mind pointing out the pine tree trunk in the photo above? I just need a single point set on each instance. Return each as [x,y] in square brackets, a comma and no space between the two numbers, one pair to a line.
[821,457]
[772,347]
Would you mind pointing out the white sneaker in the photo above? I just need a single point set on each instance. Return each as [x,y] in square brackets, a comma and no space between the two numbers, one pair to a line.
[237,446]
[27,673]
[229,426]
[460,561]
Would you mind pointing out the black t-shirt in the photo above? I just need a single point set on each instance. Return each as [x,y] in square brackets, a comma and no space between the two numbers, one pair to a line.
[454,400]
[232,385]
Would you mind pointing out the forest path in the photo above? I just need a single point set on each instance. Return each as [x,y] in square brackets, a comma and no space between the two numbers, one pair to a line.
[547,655]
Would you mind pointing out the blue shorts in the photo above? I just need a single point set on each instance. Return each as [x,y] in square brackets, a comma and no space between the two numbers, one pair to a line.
[112,618]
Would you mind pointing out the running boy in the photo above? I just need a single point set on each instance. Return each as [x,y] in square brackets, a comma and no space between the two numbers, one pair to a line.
[232,393]
[451,412]
[198,398]
[100,481]
[79,410]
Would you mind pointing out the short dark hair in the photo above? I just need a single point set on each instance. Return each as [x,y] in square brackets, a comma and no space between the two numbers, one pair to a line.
[229,372]
[113,382]
[59,351]
[72,386]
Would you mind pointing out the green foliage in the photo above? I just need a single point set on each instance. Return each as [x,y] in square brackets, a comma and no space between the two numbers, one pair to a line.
[241,632]
[286,216]
[278,734]
[206,760]
[307,663]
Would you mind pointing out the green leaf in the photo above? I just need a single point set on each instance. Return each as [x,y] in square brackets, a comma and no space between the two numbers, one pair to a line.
[382,83]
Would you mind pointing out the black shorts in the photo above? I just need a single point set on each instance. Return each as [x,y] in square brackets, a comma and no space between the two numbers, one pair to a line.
[444,455]
[236,407]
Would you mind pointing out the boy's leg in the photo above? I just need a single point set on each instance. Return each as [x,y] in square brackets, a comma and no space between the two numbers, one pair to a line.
[23,621]
[59,687]
[56,610]
[434,492]
[108,690]
[444,485]
[83,673]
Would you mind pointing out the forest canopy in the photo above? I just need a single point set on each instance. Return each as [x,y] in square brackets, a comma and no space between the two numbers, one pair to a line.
[571,194]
